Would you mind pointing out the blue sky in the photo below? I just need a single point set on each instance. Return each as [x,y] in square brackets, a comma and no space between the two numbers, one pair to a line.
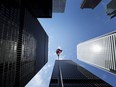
[66,30]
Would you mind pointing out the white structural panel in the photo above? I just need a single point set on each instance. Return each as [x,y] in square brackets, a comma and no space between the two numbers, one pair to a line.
[100,51]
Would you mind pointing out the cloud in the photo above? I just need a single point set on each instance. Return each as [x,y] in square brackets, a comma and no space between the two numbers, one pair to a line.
[46,69]
[50,40]
[107,21]
[62,57]
[36,81]
[59,47]
[103,4]
[42,78]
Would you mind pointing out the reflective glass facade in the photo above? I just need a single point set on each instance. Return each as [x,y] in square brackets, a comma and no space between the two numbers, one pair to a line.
[23,45]
[66,73]
[9,29]
[100,52]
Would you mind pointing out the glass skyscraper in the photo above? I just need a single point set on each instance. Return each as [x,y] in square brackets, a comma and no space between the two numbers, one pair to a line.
[66,73]
[23,41]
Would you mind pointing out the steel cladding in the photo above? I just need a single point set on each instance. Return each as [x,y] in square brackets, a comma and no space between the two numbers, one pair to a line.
[100,51]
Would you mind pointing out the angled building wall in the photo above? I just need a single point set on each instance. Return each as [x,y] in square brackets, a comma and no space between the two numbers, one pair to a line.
[9,29]
[34,28]
[34,48]
[66,73]
[90,4]
[99,52]
[23,44]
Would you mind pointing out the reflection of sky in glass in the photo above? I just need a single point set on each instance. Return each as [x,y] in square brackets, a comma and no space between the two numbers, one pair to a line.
[67,29]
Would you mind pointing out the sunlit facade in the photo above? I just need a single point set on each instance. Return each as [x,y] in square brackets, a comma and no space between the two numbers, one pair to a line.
[100,52]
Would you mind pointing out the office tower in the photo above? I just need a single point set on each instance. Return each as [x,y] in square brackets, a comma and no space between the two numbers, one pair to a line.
[39,8]
[111,8]
[34,48]
[66,73]
[99,52]
[90,4]
[59,6]
[9,29]
[23,41]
